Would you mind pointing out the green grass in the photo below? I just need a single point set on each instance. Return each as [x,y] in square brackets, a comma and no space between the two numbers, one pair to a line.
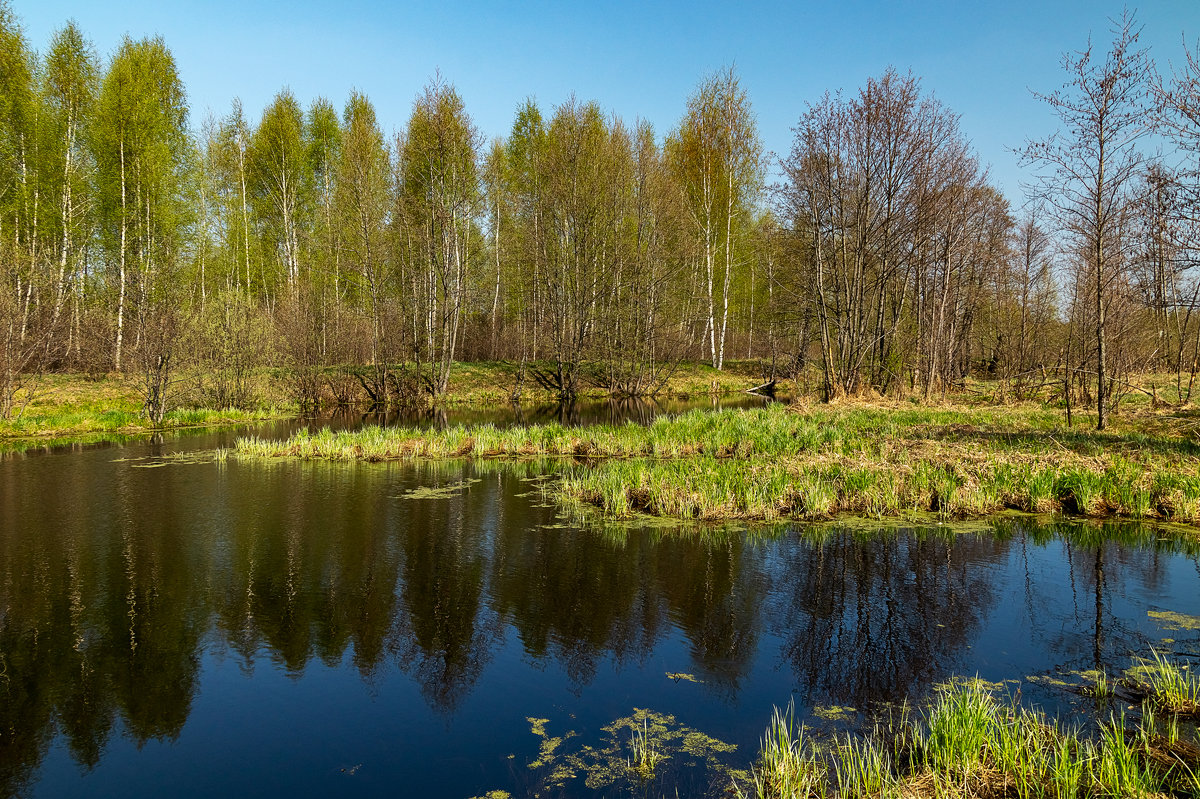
[789,766]
[66,424]
[970,743]
[492,382]
[77,407]
[814,462]
[1166,685]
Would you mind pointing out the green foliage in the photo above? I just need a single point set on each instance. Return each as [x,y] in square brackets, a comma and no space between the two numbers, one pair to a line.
[1172,686]
[142,151]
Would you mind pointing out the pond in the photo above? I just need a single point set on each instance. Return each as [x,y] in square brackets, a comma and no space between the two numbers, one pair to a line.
[175,625]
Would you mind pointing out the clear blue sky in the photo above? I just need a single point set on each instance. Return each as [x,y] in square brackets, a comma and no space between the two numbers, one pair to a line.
[635,59]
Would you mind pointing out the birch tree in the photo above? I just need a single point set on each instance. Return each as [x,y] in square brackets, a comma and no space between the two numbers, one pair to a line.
[228,153]
[70,83]
[363,199]
[277,175]
[525,156]
[323,138]
[717,157]
[18,202]
[140,145]
[577,229]
[441,200]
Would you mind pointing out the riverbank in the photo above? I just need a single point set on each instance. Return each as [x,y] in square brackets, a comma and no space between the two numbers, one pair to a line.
[815,461]
[492,383]
[79,407]
[972,741]
[67,406]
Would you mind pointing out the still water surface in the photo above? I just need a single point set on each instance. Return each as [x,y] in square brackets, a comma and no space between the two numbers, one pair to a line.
[183,627]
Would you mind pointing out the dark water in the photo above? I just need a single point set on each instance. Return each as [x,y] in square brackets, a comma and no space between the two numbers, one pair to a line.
[182,627]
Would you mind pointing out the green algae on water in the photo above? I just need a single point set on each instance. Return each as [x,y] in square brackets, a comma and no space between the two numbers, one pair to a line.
[834,712]
[627,745]
[678,676]
[1170,620]
[439,492]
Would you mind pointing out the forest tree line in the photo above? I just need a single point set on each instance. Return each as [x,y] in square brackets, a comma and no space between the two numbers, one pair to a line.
[587,249]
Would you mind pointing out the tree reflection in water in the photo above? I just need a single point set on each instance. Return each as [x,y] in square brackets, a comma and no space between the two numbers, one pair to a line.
[870,617]
[112,593]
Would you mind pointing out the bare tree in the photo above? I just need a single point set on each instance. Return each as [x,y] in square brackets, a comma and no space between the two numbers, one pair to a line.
[1087,169]
[893,225]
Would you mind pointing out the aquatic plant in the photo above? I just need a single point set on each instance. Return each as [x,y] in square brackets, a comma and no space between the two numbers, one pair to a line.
[633,751]
[968,743]
[645,755]
[788,766]
[1169,685]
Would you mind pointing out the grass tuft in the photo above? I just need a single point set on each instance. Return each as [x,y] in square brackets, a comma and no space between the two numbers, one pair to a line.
[969,744]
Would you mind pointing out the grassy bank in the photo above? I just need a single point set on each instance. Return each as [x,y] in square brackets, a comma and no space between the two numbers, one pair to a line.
[969,743]
[67,407]
[492,382]
[817,461]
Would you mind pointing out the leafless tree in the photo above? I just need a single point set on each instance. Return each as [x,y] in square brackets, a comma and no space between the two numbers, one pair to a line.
[1088,169]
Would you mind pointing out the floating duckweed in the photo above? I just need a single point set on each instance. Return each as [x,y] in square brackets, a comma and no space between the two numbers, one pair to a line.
[679,675]
[834,712]
[631,752]
[1170,620]
[439,492]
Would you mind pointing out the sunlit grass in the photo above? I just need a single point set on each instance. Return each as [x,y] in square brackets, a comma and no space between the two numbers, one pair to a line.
[1170,686]
[78,423]
[814,462]
[971,744]
[76,406]
[493,382]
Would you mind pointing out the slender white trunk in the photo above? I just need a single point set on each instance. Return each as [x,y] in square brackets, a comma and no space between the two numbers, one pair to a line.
[720,363]
[121,271]
[63,256]
[245,212]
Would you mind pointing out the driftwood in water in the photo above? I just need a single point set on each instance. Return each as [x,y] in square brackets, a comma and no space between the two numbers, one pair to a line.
[767,388]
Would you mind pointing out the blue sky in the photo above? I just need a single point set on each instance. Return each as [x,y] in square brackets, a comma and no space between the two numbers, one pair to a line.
[635,59]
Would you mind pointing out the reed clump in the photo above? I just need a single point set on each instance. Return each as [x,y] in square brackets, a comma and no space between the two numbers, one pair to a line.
[1169,686]
[969,743]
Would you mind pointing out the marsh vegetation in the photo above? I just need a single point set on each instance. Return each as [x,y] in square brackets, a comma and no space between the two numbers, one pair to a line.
[816,461]
[974,741]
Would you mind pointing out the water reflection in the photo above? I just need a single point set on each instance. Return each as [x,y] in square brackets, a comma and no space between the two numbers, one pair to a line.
[577,413]
[869,617]
[116,578]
